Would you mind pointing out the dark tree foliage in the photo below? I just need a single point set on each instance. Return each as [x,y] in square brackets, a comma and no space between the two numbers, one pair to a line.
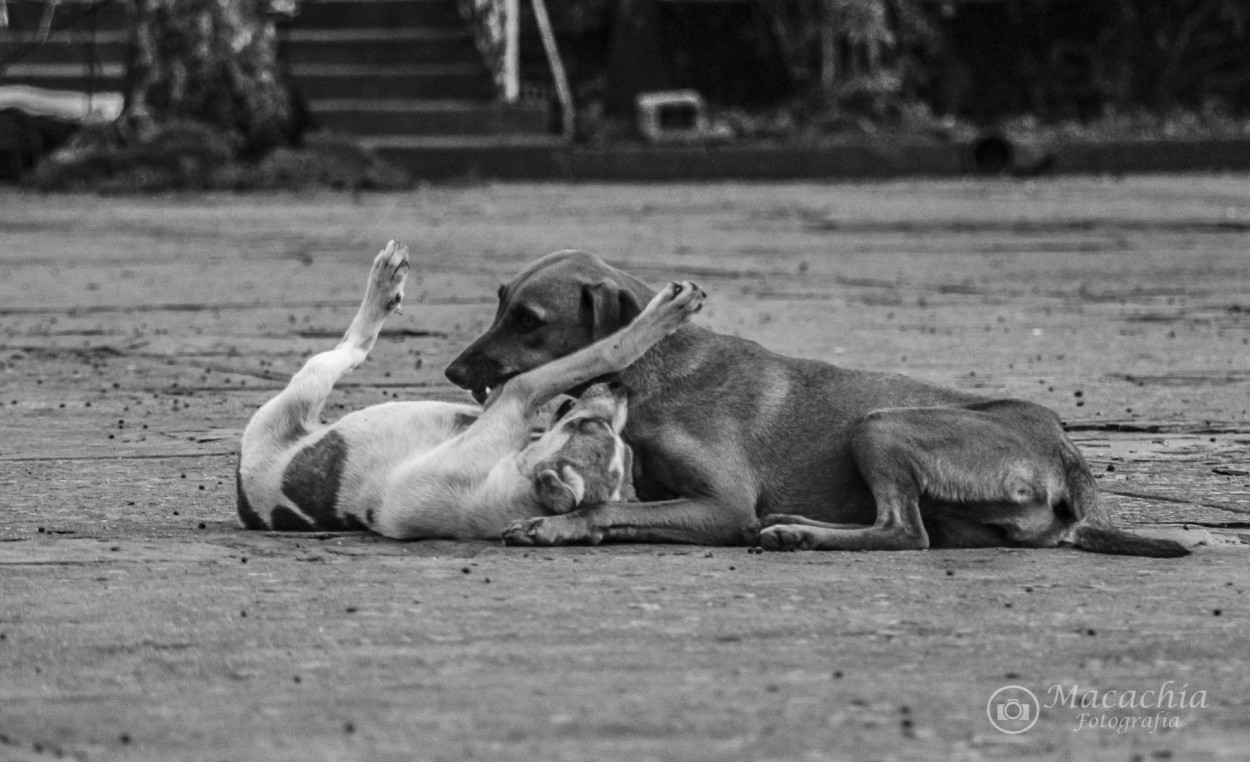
[209,105]
[213,62]
[1169,53]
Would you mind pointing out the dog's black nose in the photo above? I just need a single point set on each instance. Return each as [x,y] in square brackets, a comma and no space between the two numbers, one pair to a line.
[473,370]
[458,374]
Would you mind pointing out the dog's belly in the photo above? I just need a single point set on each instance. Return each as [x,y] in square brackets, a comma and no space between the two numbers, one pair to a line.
[333,479]
[820,482]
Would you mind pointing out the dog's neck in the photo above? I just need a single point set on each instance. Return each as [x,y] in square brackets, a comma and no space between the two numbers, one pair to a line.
[665,364]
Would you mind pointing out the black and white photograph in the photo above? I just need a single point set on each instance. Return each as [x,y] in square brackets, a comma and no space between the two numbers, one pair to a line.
[638,380]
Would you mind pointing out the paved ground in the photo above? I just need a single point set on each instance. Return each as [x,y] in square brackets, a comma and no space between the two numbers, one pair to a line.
[139,622]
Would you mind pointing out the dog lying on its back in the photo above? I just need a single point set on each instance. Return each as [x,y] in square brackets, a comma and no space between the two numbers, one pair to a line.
[426,469]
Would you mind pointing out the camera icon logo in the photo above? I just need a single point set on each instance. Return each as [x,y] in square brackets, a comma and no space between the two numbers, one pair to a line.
[1012,709]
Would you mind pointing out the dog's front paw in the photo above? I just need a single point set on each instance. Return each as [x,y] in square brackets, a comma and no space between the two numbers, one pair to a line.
[386,279]
[549,530]
[674,305]
[785,537]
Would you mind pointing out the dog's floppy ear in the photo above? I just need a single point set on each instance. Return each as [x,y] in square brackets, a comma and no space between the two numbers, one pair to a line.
[607,307]
[559,491]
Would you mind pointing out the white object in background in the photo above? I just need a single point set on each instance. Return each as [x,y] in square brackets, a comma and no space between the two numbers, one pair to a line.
[512,50]
[564,93]
[71,106]
[672,115]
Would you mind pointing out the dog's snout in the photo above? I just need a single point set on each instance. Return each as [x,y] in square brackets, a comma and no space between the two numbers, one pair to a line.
[473,370]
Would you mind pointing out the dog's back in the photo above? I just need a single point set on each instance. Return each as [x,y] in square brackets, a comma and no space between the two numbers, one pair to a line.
[784,421]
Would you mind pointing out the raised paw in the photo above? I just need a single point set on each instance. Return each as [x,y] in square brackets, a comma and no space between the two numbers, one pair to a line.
[674,305]
[785,537]
[386,280]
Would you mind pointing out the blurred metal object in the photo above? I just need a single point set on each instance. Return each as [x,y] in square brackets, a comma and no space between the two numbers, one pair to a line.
[564,92]
[993,153]
[45,23]
[990,153]
[671,115]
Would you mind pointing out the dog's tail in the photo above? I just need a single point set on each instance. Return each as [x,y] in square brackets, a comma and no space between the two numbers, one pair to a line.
[1094,531]
[1109,539]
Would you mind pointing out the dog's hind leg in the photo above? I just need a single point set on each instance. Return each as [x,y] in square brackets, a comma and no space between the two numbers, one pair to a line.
[298,407]
[996,464]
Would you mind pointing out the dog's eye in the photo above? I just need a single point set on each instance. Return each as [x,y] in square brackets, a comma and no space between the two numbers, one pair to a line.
[526,321]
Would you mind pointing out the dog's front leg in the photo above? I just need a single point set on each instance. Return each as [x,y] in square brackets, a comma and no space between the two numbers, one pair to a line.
[694,521]
[667,311]
[297,408]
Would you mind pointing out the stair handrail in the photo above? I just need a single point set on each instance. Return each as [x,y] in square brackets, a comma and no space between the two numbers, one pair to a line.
[497,25]
[512,50]
[564,93]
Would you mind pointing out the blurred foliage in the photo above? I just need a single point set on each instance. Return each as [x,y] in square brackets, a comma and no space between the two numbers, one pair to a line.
[847,60]
[889,30]
[1212,121]
[212,62]
[1167,53]
[208,106]
[183,155]
[860,66]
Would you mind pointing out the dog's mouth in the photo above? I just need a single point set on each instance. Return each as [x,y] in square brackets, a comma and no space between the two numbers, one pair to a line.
[483,393]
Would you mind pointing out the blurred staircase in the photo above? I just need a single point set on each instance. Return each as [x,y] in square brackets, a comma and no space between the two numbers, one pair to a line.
[403,76]
[74,45]
[406,78]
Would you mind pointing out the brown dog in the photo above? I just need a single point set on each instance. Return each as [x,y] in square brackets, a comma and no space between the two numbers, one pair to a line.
[725,432]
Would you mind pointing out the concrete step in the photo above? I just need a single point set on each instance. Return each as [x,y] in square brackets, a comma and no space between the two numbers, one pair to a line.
[312,46]
[405,73]
[468,81]
[29,16]
[65,76]
[359,45]
[316,82]
[446,157]
[387,14]
[429,117]
[458,142]
[64,47]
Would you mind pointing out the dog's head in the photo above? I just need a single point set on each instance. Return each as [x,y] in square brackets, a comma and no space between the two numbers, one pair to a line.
[559,304]
[581,459]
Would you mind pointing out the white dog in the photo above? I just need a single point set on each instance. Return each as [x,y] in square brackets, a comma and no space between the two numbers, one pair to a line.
[426,469]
